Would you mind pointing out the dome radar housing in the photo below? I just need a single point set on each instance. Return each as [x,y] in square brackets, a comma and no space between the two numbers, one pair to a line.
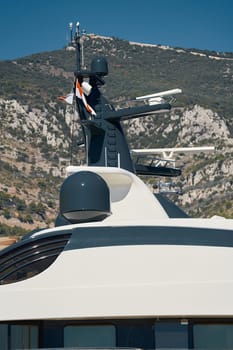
[99,66]
[84,197]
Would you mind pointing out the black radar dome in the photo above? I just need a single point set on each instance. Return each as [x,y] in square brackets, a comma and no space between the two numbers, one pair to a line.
[84,196]
[99,65]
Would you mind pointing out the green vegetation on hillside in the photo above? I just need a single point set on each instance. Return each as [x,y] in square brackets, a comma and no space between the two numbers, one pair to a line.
[133,70]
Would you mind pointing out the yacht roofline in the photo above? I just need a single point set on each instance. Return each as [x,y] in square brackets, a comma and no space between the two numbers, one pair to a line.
[208,223]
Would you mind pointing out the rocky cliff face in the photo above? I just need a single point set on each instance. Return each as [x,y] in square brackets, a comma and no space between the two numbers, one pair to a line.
[32,125]
[35,148]
[199,124]
[208,178]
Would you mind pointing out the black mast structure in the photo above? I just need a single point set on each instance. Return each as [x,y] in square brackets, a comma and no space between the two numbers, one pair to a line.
[105,141]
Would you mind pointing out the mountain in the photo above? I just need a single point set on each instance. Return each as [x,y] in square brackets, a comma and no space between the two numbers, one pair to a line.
[39,135]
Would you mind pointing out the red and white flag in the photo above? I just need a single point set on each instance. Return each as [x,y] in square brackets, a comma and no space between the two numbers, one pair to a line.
[80,94]
[67,99]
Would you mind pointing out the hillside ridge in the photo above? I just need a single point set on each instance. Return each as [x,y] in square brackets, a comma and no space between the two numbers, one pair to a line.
[39,135]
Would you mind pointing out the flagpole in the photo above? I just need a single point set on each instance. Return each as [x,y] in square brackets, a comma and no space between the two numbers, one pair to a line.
[78,47]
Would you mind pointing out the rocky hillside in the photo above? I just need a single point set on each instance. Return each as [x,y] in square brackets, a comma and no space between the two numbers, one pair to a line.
[39,135]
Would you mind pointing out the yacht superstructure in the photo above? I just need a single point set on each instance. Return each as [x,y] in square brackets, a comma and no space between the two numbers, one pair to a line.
[122,268]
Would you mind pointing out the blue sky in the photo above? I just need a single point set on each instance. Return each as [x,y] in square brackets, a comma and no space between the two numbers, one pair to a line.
[32,26]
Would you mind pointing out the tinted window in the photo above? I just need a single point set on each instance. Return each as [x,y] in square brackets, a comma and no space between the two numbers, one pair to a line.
[171,335]
[135,335]
[3,336]
[24,337]
[52,335]
[30,258]
[90,336]
[213,336]
[118,333]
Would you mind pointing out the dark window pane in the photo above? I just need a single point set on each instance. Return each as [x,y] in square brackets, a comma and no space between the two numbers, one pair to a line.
[52,336]
[3,336]
[24,336]
[171,335]
[30,270]
[135,335]
[30,258]
[213,336]
[90,336]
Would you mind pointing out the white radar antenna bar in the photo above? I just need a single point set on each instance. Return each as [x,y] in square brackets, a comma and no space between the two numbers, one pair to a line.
[160,94]
[168,153]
